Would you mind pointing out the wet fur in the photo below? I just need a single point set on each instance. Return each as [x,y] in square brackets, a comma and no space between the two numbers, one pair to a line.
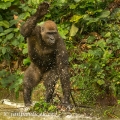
[48,63]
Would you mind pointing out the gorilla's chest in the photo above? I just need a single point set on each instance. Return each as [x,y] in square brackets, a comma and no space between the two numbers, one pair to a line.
[43,57]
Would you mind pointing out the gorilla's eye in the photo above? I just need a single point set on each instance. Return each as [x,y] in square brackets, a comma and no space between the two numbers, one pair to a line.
[51,33]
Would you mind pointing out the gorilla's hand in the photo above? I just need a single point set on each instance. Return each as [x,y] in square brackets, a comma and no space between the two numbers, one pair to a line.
[42,10]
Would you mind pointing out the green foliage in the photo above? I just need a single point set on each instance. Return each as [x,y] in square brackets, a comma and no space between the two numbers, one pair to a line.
[11,81]
[118,101]
[97,65]
[99,62]
[26,61]
[5,4]
[42,107]
[4,24]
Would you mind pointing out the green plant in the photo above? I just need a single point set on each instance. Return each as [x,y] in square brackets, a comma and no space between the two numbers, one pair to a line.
[11,81]
[42,106]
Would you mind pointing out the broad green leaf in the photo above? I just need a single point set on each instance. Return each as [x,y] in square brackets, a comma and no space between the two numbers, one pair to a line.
[6,31]
[63,34]
[92,20]
[4,50]
[63,1]
[104,14]
[75,18]
[101,82]
[26,61]
[1,29]
[2,34]
[24,15]
[15,42]
[73,6]
[73,30]
[101,43]
[107,55]
[86,17]
[9,36]
[35,1]
[13,22]
[4,23]
[108,34]
[90,39]
[16,29]
[25,50]
[77,0]
[41,23]
[98,11]
[4,5]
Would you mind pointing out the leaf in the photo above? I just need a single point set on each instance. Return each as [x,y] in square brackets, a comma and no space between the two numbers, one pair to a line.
[77,1]
[63,1]
[90,39]
[101,82]
[108,34]
[73,30]
[24,15]
[105,14]
[107,55]
[16,29]
[75,18]
[4,23]
[92,20]
[25,50]
[8,30]
[9,36]
[101,43]
[15,42]
[13,22]
[1,29]
[73,6]
[4,5]
[4,50]
[26,61]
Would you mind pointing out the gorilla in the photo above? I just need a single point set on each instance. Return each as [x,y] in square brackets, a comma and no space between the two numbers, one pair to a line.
[48,55]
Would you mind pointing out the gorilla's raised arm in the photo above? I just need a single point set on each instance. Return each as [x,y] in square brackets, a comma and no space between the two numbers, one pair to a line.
[30,24]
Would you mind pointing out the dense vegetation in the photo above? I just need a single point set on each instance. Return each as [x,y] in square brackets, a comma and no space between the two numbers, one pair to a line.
[91,29]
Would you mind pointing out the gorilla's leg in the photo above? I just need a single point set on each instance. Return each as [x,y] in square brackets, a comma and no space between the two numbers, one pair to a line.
[50,78]
[32,77]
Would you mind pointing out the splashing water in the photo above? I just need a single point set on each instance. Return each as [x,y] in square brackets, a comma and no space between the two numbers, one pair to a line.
[12,111]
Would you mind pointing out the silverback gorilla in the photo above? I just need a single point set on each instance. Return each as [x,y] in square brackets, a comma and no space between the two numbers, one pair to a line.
[49,58]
